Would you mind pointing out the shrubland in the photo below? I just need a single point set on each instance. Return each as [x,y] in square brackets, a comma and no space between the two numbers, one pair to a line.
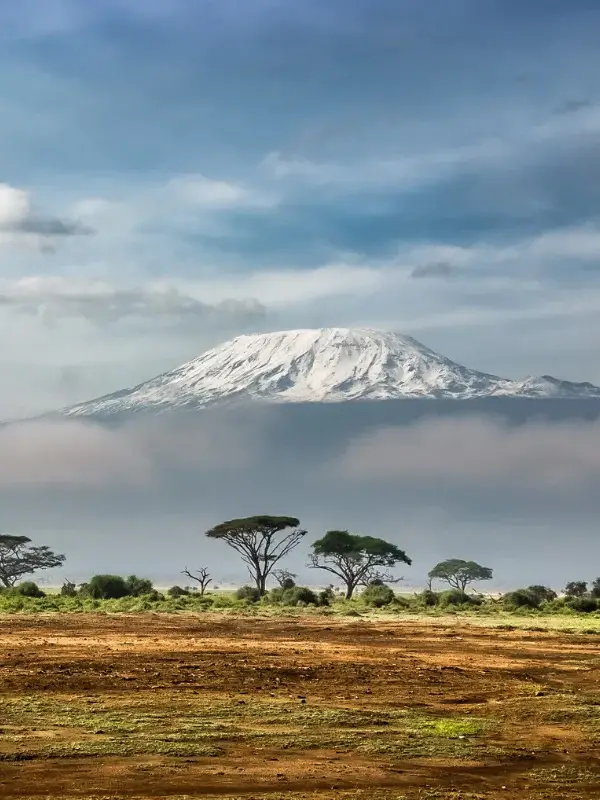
[362,567]
[117,594]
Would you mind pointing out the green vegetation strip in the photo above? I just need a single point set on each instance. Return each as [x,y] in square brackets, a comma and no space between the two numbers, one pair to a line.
[188,726]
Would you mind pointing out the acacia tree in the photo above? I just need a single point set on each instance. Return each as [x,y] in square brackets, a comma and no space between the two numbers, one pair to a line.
[576,589]
[459,574]
[356,560]
[201,576]
[261,541]
[18,558]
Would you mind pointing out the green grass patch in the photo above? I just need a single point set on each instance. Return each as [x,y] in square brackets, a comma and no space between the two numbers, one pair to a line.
[488,613]
[187,725]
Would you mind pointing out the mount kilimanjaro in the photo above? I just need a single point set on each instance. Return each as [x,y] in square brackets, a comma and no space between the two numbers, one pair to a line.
[321,366]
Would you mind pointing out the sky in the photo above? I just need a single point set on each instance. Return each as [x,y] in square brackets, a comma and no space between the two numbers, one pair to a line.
[176,172]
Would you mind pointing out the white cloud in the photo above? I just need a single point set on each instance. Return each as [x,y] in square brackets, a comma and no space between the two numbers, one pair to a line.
[148,219]
[285,288]
[14,206]
[203,192]
[56,298]
[578,243]
[398,173]
[429,166]
[20,225]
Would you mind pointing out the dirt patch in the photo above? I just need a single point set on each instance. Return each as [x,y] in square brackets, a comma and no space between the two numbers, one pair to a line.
[151,706]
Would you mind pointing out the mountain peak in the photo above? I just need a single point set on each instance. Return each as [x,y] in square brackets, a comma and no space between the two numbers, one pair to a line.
[321,365]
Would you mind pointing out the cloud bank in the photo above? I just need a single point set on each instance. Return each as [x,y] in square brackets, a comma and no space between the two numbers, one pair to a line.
[474,453]
[467,486]
[139,455]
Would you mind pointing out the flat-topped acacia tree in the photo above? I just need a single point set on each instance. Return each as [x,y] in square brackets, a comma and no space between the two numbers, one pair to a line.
[357,560]
[261,541]
[18,557]
[459,574]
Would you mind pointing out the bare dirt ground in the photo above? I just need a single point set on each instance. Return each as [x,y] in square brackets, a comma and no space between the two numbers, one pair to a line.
[152,706]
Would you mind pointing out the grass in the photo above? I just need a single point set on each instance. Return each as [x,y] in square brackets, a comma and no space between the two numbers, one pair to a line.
[78,727]
[488,615]
[404,715]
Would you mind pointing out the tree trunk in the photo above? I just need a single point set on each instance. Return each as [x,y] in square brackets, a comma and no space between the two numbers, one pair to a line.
[349,591]
[261,584]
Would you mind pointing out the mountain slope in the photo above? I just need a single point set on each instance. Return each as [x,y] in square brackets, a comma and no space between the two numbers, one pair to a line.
[326,365]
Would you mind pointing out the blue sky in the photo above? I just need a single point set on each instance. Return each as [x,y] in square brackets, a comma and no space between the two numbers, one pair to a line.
[177,172]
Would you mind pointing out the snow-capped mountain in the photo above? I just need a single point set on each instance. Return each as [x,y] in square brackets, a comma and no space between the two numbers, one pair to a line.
[326,365]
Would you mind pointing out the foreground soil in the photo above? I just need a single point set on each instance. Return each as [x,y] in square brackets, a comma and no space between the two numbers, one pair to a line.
[152,706]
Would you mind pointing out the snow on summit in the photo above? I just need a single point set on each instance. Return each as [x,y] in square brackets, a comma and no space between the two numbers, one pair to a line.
[324,365]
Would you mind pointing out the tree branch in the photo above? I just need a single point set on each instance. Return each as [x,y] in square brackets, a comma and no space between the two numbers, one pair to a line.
[202,578]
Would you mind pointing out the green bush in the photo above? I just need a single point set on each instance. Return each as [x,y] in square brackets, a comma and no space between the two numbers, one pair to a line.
[177,591]
[560,604]
[275,595]
[107,587]
[378,595]
[68,589]
[151,597]
[585,605]
[521,598]
[248,593]
[204,600]
[29,589]
[454,597]
[326,597]
[543,593]
[293,597]
[136,587]
[299,594]
[428,598]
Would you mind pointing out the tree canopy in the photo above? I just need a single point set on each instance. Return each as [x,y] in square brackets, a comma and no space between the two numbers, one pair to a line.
[357,560]
[262,541]
[18,558]
[576,589]
[459,574]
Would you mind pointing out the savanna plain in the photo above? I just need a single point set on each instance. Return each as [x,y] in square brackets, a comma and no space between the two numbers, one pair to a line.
[297,705]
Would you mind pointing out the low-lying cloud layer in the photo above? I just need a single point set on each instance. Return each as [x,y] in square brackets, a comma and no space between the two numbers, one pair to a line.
[145,490]
[469,451]
[477,452]
[138,455]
